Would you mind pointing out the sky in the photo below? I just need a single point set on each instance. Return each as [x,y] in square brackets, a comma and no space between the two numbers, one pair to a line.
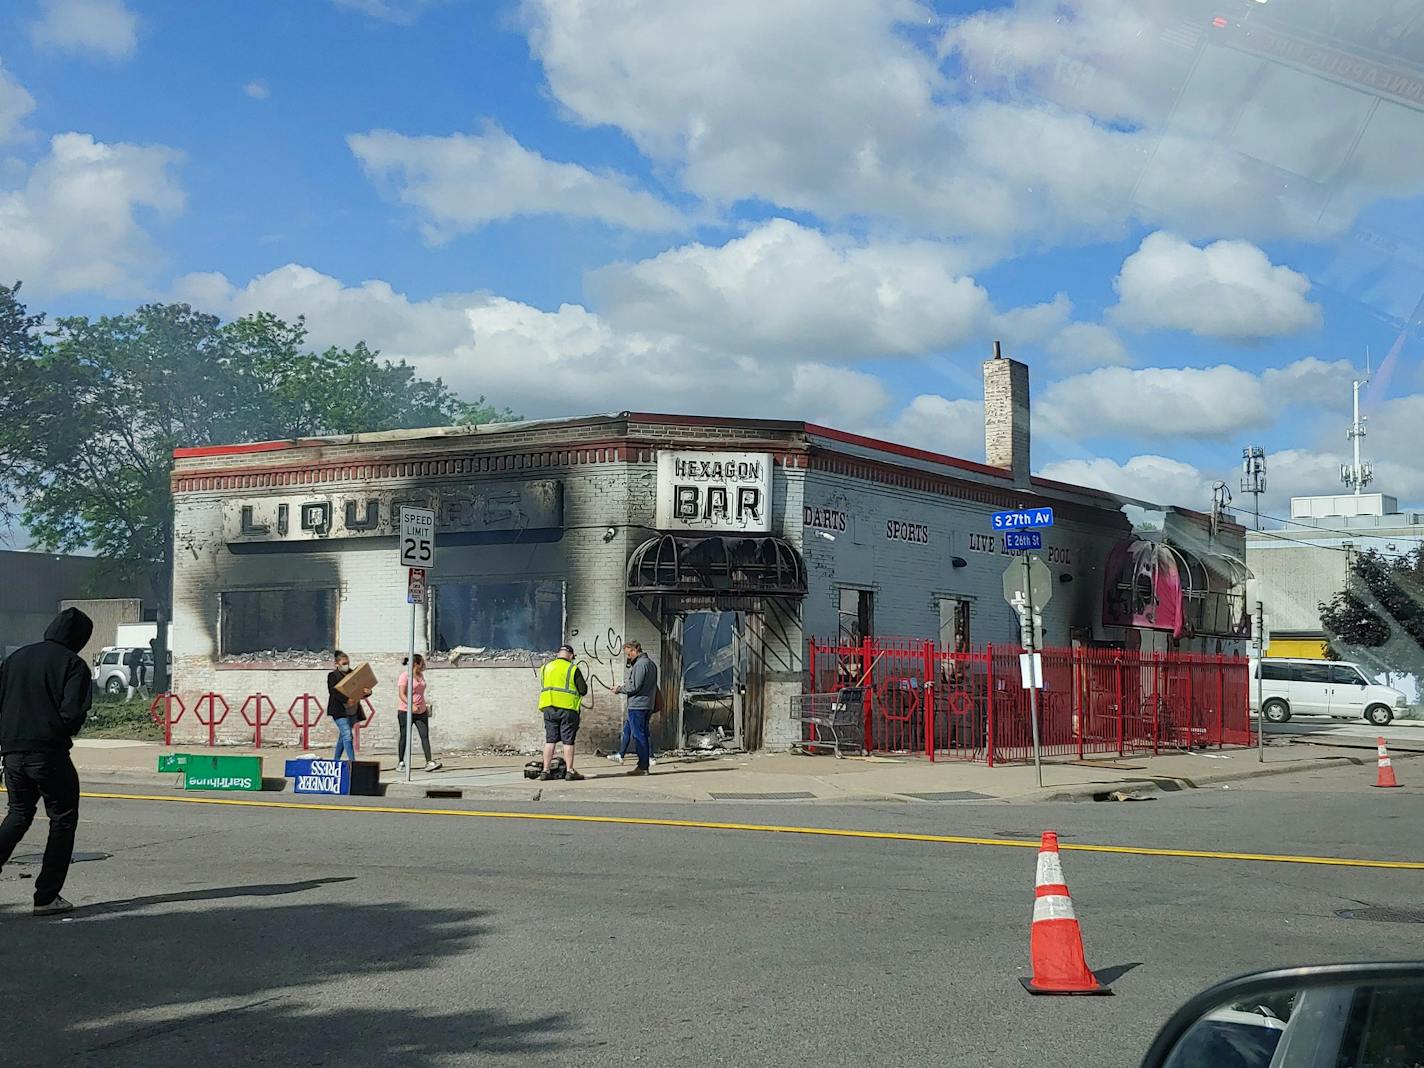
[1194,234]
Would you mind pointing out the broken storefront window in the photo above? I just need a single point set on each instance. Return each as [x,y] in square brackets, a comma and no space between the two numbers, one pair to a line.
[490,617]
[278,624]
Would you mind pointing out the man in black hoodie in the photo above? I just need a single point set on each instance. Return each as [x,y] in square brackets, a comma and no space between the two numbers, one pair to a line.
[44,699]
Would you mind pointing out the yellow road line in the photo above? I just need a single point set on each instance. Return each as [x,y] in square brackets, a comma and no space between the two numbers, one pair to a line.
[772,828]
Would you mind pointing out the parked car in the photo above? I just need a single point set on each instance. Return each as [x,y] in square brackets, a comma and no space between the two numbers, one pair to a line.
[1333,1014]
[1322,688]
[111,673]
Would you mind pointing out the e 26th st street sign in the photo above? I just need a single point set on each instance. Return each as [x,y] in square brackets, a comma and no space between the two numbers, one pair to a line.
[1023,519]
[1018,541]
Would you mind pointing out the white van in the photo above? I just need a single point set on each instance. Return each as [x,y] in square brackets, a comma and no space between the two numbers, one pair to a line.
[1322,688]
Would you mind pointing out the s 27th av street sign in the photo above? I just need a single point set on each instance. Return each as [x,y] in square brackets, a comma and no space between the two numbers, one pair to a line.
[1023,519]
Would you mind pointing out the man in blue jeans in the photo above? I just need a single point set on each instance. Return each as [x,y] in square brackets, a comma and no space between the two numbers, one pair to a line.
[640,687]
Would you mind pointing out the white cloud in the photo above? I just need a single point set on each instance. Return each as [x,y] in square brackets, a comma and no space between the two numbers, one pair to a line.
[257,90]
[15,105]
[509,351]
[1155,403]
[1034,323]
[936,423]
[784,287]
[104,27]
[1048,119]
[1161,403]
[400,12]
[1158,479]
[827,106]
[1227,290]
[1079,346]
[835,395]
[1312,382]
[461,182]
[1299,472]
[339,314]
[77,222]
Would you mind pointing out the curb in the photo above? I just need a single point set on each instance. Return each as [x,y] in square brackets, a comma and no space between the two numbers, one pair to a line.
[1175,784]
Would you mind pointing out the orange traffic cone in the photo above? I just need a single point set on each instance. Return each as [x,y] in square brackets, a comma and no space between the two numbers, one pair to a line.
[1386,768]
[1055,941]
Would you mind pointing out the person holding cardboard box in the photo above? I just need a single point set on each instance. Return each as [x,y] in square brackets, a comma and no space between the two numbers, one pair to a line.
[343,704]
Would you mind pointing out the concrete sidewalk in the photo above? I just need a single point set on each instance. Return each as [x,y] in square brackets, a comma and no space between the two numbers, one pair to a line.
[781,776]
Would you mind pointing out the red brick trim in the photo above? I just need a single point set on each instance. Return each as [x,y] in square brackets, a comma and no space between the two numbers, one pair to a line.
[947,485]
[365,469]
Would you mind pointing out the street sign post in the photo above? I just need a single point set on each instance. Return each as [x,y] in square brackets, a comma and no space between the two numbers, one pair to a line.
[1028,586]
[417,552]
[1258,642]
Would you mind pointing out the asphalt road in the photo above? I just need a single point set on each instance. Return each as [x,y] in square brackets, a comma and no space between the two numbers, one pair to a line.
[1400,735]
[254,936]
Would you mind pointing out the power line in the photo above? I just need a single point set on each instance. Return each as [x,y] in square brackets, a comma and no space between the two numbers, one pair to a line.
[1358,532]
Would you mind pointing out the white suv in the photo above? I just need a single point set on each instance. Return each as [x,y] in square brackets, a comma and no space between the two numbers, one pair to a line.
[111,674]
[1322,688]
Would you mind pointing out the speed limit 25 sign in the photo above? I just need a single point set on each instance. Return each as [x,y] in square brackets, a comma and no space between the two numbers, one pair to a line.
[417,537]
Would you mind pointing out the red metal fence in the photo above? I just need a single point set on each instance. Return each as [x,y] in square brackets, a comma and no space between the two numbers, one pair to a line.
[258,710]
[920,698]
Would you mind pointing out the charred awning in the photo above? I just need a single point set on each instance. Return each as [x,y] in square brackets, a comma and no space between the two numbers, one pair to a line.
[1185,591]
[716,565]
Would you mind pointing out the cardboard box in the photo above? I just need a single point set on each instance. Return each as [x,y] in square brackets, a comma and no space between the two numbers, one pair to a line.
[361,678]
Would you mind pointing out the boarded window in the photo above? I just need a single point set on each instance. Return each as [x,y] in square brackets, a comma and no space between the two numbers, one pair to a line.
[499,615]
[278,621]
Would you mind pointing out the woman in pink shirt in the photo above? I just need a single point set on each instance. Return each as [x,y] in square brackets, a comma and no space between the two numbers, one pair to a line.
[421,717]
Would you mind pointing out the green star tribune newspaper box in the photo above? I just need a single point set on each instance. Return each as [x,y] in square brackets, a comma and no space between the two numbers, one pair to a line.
[214,772]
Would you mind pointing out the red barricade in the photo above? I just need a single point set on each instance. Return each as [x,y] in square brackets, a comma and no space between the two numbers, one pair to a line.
[306,702]
[969,704]
[210,702]
[252,714]
[166,718]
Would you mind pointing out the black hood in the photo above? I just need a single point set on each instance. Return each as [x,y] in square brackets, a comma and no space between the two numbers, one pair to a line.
[71,628]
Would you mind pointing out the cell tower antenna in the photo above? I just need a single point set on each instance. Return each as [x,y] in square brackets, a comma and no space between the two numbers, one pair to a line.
[1361,473]
[1253,476]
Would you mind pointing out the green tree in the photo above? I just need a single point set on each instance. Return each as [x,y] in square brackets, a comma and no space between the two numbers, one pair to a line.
[1378,618]
[92,411]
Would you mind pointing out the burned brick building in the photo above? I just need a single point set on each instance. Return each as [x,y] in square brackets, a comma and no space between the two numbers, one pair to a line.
[723,545]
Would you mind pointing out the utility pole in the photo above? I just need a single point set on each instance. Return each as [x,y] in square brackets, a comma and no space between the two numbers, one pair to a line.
[1258,639]
[1253,476]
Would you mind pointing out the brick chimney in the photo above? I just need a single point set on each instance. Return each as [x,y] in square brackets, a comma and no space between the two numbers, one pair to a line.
[1006,434]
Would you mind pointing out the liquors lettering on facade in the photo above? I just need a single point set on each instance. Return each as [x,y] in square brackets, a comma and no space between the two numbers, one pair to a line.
[515,506]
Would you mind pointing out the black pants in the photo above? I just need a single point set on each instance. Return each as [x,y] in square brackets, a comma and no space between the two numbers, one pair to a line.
[422,728]
[28,778]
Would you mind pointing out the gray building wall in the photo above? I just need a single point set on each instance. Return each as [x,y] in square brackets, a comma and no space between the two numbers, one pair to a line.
[34,585]
[1295,570]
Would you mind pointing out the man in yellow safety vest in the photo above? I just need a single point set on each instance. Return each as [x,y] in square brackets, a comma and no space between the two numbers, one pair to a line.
[562,690]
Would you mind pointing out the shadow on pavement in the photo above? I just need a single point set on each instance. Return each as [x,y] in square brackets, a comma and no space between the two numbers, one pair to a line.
[262,982]
[1113,972]
[216,893]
